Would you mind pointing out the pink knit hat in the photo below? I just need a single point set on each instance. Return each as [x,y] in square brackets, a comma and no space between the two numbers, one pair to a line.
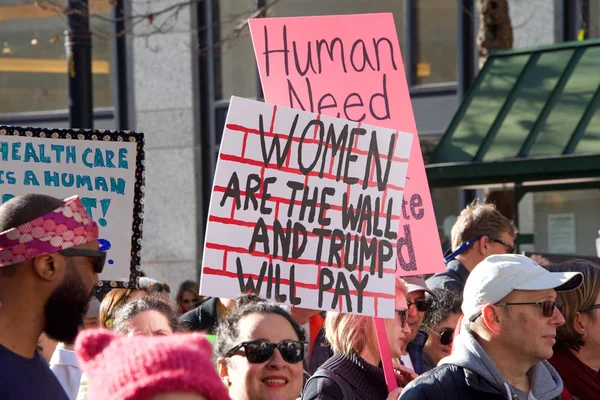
[139,367]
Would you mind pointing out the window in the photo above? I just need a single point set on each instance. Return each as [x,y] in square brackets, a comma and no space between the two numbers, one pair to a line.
[435,35]
[296,8]
[237,64]
[560,221]
[33,67]
[588,19]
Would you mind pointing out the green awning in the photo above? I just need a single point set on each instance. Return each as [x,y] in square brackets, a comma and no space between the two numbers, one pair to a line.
[530,115]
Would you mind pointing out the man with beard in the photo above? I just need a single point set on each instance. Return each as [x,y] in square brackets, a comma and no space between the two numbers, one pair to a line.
[49,264]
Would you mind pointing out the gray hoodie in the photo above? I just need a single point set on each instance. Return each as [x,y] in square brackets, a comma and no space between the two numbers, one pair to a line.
[468,354]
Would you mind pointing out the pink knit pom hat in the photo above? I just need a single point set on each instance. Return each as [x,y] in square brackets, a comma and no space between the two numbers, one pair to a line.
[139,367]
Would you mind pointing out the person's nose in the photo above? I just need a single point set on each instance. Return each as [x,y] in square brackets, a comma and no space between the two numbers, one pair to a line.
[276,361]
[412,310]
[406,330]
[557,318]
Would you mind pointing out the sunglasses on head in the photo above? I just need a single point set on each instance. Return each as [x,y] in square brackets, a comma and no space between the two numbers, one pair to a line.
[420,304]
[546,306]
[446,335]
[99,257]
[260,351]
[403,314]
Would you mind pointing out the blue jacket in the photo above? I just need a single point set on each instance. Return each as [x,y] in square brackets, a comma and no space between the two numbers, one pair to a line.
[415,351]
[453,278]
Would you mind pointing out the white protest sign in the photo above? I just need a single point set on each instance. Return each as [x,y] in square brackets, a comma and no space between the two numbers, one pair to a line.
[104,168]
[305,210]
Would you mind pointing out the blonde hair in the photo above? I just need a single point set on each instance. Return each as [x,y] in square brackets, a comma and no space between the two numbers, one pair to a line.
[352,332]
[113,300]
[480,219]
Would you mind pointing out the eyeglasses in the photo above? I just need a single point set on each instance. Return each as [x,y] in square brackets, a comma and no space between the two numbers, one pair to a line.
[595,306]
[509,247]
[260,351]
[420,304]
[466,245]
[446,335]
[546,306]
[403,316]
[99,257]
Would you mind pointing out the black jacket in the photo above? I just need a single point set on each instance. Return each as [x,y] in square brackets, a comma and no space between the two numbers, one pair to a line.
[451,382]
[203,318]
[366,381]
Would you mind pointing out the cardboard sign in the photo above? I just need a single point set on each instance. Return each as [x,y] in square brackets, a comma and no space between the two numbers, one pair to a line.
[104,168]
[305,210]
[350,66]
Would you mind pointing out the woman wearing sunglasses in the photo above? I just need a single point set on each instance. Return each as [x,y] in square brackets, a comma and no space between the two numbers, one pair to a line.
[354,371]
[439,324]
[577,349]
[259,350]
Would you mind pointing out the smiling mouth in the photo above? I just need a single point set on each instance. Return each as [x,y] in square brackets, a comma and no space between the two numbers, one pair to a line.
[275,382]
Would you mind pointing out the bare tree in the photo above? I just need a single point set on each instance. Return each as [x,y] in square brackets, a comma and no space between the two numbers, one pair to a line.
[151,17]
[495,28]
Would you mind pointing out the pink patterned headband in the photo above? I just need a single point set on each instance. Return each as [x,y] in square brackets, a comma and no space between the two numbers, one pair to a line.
[65,227]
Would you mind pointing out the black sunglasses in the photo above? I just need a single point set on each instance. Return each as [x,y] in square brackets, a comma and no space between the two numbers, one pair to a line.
[260,351]
[421,305]
[403,316]
[546,306]
[99,257]
[446,335]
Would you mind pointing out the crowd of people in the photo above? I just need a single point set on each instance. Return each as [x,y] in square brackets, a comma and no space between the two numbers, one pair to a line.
[493,325]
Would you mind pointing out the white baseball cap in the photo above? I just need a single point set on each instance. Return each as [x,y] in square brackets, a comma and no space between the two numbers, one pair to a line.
[498,275]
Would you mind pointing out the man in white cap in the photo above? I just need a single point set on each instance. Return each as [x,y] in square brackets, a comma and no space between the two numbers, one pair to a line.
[507,334]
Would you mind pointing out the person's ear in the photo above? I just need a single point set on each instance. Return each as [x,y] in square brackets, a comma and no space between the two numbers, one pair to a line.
[491,318]
[223,370]
[49,267]
[580,323]
[484,246]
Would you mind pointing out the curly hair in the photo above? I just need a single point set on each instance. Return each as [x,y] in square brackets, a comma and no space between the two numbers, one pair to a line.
[228,331]
[124,315]
[446,302]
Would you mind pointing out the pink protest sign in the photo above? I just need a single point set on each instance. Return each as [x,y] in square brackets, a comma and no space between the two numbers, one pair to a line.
[350,67]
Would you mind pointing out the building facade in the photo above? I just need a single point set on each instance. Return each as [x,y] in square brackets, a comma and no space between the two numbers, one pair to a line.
[170,74]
